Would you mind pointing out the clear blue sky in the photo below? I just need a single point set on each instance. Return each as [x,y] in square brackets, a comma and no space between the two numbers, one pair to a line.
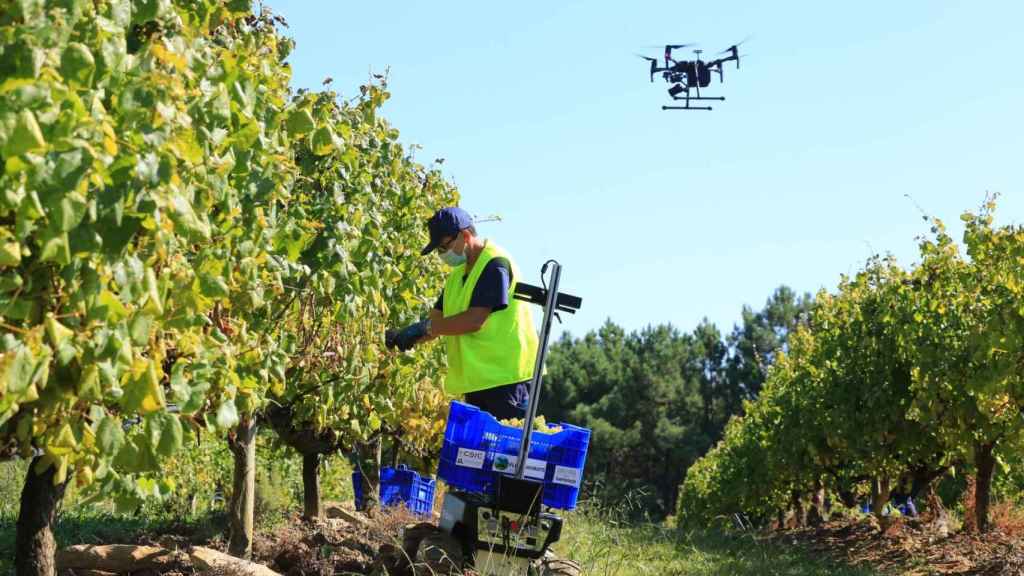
[545,117]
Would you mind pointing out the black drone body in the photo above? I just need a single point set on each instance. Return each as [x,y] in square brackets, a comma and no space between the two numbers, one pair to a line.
[687,77]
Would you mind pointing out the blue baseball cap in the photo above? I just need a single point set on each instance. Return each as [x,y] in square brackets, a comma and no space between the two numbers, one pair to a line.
[446,222]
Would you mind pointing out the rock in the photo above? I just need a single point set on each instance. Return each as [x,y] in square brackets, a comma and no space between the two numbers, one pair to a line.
[337,512]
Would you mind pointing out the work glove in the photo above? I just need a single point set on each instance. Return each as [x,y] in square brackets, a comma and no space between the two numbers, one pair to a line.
[407,337]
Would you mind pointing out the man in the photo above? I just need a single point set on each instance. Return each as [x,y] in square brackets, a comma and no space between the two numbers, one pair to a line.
[489,335]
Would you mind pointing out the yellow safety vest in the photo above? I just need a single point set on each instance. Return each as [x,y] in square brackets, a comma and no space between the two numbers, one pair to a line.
[504,350]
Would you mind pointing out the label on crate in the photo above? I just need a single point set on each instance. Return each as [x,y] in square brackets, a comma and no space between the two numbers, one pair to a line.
[507,465]
[470,458]
[567,476]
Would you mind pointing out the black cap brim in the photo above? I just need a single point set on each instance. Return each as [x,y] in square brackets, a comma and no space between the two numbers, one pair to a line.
[430,248]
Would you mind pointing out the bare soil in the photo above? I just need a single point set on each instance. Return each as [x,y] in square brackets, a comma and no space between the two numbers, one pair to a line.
[297,547]
[912,547]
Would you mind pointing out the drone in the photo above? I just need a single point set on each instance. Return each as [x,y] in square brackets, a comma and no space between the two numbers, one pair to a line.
[687,75]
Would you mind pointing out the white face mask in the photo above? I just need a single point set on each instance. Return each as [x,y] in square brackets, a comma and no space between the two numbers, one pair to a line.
[451,258]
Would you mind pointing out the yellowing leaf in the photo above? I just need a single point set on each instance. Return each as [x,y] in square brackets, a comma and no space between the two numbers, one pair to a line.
[56,332]
[143,392]
[64,443]
[26,136]
[153,301]
[165,56]
[10,254]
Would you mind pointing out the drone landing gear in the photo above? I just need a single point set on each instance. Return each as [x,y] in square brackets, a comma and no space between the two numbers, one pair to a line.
[694,98]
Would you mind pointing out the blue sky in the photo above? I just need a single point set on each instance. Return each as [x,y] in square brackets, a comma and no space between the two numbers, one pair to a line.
[545,117]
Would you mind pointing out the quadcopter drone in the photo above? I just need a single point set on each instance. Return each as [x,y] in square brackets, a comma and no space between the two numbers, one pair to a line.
[687,75]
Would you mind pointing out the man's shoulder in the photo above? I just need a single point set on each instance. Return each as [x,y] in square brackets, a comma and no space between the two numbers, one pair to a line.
[499,262]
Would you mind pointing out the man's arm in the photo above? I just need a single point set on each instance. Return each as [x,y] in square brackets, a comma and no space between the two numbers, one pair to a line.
[466,322]
[489,295]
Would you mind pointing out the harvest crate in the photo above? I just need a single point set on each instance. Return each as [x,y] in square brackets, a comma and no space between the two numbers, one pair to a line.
[400,485]
[477,447]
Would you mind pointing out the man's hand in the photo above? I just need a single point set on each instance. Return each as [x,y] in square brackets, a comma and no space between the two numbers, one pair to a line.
[407,337]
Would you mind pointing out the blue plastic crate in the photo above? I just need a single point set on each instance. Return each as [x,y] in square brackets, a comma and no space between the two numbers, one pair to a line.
[399,485]
[477,448]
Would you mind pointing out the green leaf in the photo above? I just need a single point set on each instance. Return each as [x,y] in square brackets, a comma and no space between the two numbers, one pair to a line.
[110,435]
[10,254]
[196,398]
[170,436]
[180,388]
[139,328]
[26,137]
[107,307]
[213,286]
[120,12]
[56,249]
[56,332]
[20,368]
[185,218]
[135,457]
[227,415]
[26,9]
[300,122]
[89,384]
[146,10]
[69,170]
[246,136]
[323,141]
[20,60]
[238,6]
[69,211]
[154,303]
[77,64]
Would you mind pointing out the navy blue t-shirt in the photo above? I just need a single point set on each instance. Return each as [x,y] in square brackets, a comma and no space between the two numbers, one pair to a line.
[491,290]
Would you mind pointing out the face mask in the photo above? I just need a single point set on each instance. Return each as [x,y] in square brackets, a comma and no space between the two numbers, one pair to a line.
[452,259]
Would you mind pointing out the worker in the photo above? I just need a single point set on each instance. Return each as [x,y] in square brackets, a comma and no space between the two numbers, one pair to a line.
[489,336]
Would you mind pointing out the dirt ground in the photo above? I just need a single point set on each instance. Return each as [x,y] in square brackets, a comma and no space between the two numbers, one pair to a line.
[345,542]
[911,547]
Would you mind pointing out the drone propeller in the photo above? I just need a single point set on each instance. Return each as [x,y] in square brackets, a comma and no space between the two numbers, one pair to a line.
[654,64]
[672,46]
[737,45]
[734,53]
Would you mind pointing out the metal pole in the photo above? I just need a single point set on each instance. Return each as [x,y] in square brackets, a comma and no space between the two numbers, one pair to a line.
[538,368]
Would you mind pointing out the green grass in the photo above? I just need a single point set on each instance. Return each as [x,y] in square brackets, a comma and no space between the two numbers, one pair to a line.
[605,546]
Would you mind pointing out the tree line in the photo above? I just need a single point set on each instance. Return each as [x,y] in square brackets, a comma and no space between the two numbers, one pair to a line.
[658,399]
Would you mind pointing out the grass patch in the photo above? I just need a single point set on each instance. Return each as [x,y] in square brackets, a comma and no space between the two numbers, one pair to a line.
[605,545]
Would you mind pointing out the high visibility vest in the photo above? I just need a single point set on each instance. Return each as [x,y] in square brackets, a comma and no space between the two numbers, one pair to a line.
[504,350]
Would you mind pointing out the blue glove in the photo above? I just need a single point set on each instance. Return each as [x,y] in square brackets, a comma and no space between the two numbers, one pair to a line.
[407,337]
